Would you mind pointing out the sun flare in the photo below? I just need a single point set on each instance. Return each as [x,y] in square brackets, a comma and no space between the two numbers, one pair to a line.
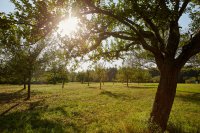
[67,26]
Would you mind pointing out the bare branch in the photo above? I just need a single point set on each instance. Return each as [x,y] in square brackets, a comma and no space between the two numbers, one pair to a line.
[189,50]
[184,5]
[176,7]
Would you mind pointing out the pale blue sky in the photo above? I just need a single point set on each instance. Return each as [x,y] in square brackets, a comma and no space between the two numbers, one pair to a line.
[6,6]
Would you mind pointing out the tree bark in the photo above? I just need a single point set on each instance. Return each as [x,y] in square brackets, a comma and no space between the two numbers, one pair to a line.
[88,77]
[24,86]
[29,88]
[24,82]
[29,85]
[63,83]
[164,98]
[127,80]
[100,83]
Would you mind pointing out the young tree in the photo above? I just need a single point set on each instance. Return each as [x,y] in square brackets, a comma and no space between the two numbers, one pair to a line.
[24,62]
[100,72]
[127,74]
[111,74]
[88,77]
[56,66]
[141,75]
[154,25]
[81,77]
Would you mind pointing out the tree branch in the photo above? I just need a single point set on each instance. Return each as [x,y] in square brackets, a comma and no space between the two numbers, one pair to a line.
[116,53]
[153,27]
[118,35]
[15,22]
[121,19]
[189,50]
[184,5]
[176,7]
[173,40]
[163,6]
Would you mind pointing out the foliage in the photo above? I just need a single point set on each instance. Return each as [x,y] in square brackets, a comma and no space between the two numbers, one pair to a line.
[81,77]
[100,72]
[124,74]
[111,74]
[131,25]
[22,36]
[141,76]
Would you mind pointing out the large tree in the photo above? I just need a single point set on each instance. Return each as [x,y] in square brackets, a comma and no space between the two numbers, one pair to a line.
[150,25]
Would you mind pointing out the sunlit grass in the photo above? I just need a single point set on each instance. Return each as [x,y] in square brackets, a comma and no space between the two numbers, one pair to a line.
[82,108]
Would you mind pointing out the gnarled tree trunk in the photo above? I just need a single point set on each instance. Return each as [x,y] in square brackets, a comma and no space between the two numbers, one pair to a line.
[164,98]
[29,84]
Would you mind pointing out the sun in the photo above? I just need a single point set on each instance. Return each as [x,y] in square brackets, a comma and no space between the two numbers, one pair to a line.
[67,26]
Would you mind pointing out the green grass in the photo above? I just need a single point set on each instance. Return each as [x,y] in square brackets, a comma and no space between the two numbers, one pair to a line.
[79,108]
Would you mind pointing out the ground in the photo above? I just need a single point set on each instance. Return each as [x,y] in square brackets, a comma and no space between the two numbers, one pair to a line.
[81,108]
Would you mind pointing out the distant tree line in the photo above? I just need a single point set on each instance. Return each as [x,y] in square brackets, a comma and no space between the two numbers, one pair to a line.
[58,74]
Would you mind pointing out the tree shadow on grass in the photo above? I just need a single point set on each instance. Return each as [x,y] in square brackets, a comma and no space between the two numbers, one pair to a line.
[152,85]
[29,120]
[118,96]
[188,92]
[179,128]
[15,99]
[91,87]
[8,97]
[12,107]
[32,119]
[68,115]
[142,87]
[190,97]
[32,105]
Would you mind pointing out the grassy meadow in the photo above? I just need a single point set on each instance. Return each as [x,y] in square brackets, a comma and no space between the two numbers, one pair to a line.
[80,108]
